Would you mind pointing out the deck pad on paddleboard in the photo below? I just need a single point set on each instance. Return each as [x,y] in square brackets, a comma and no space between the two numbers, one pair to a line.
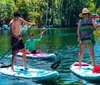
[31,73]
[85,71]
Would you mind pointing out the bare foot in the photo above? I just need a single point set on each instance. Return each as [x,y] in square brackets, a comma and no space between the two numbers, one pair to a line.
[79,67]
[38,51]
[28,52]
[12,70]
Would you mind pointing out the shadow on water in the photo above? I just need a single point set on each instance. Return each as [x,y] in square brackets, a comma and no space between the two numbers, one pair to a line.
[58,41]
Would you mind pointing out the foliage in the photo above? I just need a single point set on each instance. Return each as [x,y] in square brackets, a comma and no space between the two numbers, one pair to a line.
[33,10]
[49,12]
[7,8]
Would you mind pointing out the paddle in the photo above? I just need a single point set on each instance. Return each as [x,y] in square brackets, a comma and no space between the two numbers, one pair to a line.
[41,33]
[2,65]
[57,63]
[15,43]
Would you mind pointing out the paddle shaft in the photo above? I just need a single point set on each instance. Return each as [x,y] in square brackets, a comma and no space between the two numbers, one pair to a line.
[15,43]
[57,63]
[41,32]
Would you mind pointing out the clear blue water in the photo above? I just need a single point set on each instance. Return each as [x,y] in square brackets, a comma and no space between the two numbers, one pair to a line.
[55,40]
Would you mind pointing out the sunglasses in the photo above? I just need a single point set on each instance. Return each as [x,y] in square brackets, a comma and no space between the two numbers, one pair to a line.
[85,14]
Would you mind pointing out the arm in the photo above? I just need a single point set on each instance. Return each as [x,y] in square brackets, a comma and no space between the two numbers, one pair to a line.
[37,40]
[26,22]
[78,30]
[10,24]
[94,25]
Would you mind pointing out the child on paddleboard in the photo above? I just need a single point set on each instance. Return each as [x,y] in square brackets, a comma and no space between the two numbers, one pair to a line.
[85,30]
[30,43]
[16,40]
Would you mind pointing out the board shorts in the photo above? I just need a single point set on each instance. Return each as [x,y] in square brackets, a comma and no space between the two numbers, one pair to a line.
[16,43]
[87,42]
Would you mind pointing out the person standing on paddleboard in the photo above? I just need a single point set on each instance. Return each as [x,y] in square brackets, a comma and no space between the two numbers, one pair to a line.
[86,26]
[30,43]
[16,41]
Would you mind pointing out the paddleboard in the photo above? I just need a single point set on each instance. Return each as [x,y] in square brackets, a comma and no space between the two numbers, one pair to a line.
[85,71]
[39,55]
[30,73]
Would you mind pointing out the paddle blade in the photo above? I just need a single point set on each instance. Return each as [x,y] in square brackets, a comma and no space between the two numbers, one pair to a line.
[55,64]
[5,66]
[33,24]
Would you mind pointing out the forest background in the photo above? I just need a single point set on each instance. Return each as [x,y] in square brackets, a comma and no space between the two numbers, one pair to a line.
[58,13]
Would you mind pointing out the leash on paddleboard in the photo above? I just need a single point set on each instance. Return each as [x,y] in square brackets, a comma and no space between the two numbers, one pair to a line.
[16,42]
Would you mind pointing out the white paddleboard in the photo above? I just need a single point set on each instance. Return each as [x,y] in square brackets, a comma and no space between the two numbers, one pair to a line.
[31,73]
[85,71]
[39,55]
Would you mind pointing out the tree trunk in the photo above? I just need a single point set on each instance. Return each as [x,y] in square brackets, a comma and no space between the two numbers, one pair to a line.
[46,23]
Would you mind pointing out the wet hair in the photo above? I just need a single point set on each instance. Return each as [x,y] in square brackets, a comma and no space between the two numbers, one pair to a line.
[17,14]
[31,34]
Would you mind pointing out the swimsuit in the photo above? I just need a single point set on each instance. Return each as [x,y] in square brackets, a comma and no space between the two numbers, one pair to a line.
[86,32]
[16,43]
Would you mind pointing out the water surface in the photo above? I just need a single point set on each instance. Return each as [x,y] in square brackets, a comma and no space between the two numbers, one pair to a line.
[62,42]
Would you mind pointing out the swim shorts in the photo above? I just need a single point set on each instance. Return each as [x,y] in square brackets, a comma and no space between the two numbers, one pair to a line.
[16,43]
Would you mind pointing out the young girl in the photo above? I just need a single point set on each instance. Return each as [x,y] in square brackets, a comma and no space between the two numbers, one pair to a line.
[30,44]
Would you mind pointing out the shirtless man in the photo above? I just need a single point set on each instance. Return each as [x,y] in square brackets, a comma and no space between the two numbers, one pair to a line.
[16,40]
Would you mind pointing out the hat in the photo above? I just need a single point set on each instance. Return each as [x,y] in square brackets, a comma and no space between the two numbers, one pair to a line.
[84,11]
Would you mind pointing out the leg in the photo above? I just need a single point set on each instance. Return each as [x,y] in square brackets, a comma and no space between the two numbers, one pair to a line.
[13,59]
[91,50]
[24,57]
[81,52]
[21,46]
[14,41]
[27,51]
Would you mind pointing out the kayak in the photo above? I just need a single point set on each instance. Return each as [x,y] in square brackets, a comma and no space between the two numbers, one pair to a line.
[30,73]
[39,55]
[85,72]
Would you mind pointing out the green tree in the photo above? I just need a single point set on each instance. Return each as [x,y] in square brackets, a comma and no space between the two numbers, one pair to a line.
[7,8]
[33,10]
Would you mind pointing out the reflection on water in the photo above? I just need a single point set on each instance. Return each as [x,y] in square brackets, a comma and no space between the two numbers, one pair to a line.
[58,41]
